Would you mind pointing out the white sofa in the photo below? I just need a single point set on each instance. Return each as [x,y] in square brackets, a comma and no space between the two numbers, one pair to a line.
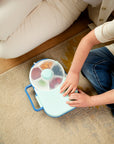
[25,24]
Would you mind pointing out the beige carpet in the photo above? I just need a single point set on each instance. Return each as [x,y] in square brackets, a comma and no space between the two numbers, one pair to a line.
[20,124]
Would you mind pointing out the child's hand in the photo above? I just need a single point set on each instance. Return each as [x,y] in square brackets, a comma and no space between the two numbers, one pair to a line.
[80,99]
[70,84]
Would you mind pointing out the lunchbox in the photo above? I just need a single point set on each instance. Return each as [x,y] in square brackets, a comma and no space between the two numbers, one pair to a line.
[46,77]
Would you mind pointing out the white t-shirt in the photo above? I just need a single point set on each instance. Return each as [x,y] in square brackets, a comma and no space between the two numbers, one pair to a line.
[105,33]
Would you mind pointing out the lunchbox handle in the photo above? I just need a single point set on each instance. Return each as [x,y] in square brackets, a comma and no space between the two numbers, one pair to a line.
[39,109]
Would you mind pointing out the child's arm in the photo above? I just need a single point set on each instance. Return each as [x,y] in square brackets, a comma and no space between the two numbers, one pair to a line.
[80,56]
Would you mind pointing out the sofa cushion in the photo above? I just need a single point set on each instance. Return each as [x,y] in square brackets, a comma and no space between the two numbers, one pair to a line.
[49,19]
[12,14]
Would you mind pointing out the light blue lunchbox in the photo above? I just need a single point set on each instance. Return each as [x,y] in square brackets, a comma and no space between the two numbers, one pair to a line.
[46,77]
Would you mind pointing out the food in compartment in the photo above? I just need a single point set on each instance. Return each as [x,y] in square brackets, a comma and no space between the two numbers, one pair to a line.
[55,82]
[42,83]
[46,65]
[57,70]
[36,73]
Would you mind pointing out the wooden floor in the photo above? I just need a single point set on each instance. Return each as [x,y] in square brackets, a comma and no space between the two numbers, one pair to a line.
[77,27]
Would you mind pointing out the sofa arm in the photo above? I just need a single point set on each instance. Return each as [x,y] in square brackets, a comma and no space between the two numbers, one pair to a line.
[13,13]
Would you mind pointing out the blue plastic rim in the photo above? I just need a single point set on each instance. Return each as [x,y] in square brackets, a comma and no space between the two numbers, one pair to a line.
[36,109]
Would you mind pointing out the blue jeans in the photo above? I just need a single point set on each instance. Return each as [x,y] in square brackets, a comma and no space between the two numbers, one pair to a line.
[99,70]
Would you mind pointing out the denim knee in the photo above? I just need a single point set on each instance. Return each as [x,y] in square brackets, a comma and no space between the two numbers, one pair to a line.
[95,70]
[100,59]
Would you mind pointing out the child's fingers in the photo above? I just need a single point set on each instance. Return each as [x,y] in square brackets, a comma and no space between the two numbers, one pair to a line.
[63,85]
[68,91]
[72,105]
[76,105]
[80,91]
[72,102]
[73,97]
[64,88]
[74,89]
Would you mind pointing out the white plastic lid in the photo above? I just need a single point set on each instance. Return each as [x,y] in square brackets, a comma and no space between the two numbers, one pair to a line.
[46,74]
